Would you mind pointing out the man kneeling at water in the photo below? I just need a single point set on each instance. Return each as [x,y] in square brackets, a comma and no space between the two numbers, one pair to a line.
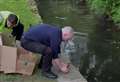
[46,39]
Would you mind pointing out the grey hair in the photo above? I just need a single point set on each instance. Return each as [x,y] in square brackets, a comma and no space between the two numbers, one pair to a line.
[68,29]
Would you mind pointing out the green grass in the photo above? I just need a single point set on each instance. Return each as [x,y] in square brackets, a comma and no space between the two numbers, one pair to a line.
[36,77]
[21,8]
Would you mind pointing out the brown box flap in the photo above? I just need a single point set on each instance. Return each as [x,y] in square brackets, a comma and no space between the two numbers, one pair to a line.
[1,58]
[9,56]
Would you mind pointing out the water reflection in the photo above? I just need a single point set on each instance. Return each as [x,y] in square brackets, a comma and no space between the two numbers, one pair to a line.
[101,62]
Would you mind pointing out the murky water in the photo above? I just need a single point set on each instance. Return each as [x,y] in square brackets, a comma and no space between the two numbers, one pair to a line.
[65,12]
[98,54]
[101,64]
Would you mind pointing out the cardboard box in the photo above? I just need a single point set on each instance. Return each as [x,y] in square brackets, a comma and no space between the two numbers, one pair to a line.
[25,62]
[8,55]
[1,53]
[15,60]
[0,60]
[8,59]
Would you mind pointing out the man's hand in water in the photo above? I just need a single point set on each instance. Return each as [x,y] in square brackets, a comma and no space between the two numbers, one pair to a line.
[61,65]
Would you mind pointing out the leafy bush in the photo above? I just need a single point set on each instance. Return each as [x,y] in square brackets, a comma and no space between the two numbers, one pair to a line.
[109,7]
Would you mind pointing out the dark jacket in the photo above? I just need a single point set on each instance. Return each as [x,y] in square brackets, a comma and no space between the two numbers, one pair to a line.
[17,31]
[47,35]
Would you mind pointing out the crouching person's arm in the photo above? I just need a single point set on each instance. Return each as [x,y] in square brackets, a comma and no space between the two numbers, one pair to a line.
[17,33]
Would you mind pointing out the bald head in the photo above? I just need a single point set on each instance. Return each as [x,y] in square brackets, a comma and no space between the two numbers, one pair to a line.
[67,33]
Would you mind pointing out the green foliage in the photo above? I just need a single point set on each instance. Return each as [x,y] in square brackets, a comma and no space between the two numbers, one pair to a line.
[109,7]
[98,6]
[116,15]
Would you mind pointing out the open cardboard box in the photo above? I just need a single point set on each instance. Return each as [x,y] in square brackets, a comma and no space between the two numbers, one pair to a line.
[15,60]
[8,59]
[26,62]
[8,54]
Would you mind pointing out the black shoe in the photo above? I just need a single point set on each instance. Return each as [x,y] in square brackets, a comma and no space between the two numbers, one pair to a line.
[40,63]
[39,66]
[50,75]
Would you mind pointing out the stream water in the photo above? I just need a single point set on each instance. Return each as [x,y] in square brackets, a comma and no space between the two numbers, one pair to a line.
[97,55]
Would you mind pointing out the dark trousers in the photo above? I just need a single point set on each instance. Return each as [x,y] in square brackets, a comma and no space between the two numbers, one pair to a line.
[36,47]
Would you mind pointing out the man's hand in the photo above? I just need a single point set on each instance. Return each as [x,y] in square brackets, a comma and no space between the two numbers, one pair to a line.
[61,65]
